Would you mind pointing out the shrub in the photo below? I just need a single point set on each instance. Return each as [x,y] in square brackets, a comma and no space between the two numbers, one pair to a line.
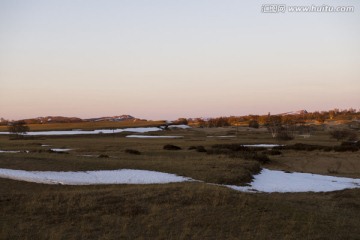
[347,148]
[239,151]
[261,158]
[219,151]
[349,143]
[254,124]
[327,149]
[284,136]
[18,128]
[272,152]
[332,171]
[197,148]
[353,136]
[231,147]
[340,134]
[103,156]
[171,147]
[251,155]
[300,147]
[181,121]
[58,152]
[200,149]
[132,151]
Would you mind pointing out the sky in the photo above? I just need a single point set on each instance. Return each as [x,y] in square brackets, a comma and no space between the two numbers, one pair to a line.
[165,59]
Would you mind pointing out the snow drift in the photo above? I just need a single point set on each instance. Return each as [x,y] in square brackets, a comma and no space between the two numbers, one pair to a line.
[123,176]
[279,181]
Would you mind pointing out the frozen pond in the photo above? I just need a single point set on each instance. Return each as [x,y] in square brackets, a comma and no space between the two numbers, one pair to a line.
[279,181]
[99,131]
[124,176]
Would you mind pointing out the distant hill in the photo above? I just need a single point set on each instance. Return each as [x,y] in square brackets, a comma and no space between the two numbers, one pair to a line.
[52,119]
[111,119]
[60,119]
[293,113]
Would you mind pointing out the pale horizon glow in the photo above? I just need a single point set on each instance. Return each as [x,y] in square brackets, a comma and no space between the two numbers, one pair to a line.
[170,59]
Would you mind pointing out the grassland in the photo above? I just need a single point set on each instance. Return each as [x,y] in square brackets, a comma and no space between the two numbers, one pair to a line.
[89,125]
[194,210]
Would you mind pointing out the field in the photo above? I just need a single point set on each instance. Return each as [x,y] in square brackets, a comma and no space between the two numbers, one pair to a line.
[89,125]
[190,210]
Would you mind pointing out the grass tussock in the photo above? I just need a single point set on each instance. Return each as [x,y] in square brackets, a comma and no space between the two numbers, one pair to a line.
[132,151]
[171,147]
[198,148]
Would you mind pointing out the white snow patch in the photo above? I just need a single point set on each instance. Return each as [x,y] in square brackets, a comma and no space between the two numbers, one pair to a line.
[267,181]
[263,145]
[104,131]
[279,181]
[229,136]
[145,136]
[4,151]
[45,145]
[182,126]
[124,176]
[140,130]
[61,149]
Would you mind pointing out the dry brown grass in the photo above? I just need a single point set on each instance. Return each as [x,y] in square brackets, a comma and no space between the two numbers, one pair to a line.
[200,166]
[88,125]
[173,211]
[346,164]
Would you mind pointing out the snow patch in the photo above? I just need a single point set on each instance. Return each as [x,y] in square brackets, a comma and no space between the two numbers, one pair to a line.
[98,131]
[263,145]
[182,126]
[61,149]
[124,176]
[145,136]
[230,136]
[4,151]
[278,181]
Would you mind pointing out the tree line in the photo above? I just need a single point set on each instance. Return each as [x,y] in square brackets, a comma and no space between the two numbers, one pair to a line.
[283,119]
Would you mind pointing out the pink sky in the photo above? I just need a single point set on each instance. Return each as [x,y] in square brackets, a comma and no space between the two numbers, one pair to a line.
[164,60]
